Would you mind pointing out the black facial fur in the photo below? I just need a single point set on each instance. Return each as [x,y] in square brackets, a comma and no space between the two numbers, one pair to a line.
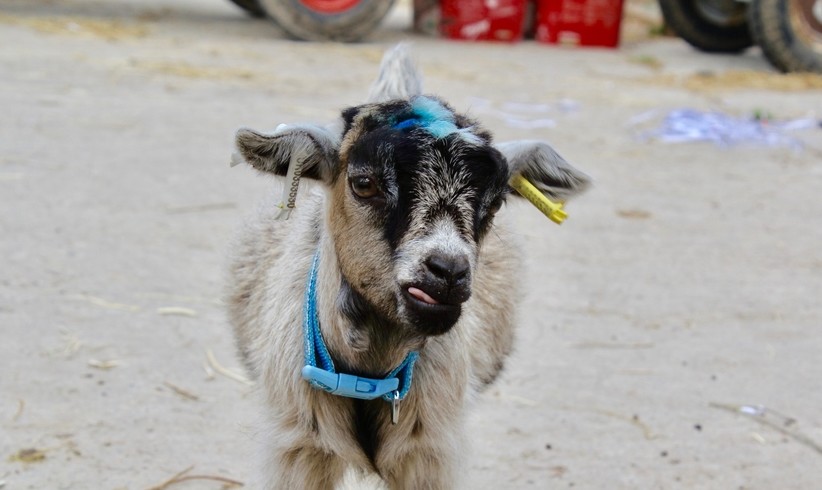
[397,157]
[431,167]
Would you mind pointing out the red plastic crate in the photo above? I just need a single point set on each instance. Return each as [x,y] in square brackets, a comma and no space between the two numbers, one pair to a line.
[579,22]
[482,20]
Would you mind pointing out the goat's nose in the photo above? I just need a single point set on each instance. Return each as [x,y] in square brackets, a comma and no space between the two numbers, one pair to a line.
[449,268]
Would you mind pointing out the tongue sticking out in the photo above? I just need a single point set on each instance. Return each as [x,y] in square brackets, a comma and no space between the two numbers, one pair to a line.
[422,296]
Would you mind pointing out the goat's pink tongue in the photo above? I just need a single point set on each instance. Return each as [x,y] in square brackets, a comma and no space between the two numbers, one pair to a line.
[422,296]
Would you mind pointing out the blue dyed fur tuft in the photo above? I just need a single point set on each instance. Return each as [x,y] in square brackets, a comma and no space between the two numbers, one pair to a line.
[436,119]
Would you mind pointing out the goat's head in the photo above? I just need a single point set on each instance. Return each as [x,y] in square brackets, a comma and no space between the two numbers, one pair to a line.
[413,191]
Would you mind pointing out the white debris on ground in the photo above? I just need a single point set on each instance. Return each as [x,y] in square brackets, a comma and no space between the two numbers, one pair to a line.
[689,125]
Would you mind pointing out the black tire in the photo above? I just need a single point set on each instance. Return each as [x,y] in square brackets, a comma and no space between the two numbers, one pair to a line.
[788,33]
[252,7]
[715,26]
[345,21]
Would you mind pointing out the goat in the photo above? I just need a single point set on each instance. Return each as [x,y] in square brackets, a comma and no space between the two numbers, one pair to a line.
[394,243]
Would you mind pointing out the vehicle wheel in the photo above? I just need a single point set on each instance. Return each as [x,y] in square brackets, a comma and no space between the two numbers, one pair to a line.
[789,32]
[252,7]
[716,26]
[328,20]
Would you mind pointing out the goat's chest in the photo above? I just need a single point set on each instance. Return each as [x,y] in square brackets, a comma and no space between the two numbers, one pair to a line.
[373,433]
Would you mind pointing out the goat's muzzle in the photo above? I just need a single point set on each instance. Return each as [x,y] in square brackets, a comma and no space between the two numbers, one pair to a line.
[434,300]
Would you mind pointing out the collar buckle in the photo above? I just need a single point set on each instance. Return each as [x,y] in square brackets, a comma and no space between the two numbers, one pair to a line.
[349,385]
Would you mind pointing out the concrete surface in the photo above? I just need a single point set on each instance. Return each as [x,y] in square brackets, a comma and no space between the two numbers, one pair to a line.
[690,275]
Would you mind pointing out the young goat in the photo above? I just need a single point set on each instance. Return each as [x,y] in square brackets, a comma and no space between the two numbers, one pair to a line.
[388,268]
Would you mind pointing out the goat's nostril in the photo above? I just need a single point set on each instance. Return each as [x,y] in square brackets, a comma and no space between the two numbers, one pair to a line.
[449,268]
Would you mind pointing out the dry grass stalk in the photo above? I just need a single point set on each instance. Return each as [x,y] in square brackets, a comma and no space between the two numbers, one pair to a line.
[104,303]
[182,391]
[21,405]
[766,417]
[176,310]
[28,455]
[104,365]
[184,476]
[210,374]
[228,373]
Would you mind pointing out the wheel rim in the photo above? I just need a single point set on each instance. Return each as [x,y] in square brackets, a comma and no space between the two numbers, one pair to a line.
[330,6]
[806,20]
[724,13]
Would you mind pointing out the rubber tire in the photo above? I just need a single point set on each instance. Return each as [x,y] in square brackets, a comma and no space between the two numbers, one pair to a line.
[685,20]
[350,25]
[771,27]
[252,7]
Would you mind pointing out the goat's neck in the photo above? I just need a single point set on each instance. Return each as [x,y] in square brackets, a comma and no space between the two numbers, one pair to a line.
[370,345]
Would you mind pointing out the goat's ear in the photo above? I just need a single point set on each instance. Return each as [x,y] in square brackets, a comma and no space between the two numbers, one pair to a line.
[316,146]
[545,168]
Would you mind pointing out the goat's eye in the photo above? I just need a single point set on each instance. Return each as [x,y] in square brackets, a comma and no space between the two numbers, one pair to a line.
[364,187]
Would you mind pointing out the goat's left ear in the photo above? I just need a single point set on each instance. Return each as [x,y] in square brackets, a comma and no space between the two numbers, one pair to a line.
[545,168]
[316,146]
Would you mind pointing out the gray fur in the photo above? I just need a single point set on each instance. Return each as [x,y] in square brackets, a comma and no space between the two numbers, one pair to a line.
[538,162]
[398,78]
[309,438]
[272,152]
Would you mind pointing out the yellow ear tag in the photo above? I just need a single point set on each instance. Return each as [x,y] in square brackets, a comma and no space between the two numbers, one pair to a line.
[553,210]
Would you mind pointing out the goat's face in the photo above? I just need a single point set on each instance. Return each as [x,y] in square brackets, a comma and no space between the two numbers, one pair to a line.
[414,188]
[417,191]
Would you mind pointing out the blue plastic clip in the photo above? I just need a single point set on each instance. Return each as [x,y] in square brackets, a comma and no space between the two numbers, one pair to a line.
[348,384]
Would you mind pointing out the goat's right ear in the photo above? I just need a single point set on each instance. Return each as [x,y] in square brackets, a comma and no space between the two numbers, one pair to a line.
[316,146]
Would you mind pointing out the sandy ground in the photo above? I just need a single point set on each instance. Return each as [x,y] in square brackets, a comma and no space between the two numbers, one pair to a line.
[690,276]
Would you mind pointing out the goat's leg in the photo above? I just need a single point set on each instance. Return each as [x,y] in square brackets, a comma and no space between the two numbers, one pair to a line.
[301,468]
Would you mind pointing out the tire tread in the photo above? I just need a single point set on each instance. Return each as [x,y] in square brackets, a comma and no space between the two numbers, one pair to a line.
[684,19]
[770,26]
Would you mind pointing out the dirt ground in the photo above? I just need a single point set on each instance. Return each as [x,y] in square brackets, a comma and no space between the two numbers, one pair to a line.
[669,338]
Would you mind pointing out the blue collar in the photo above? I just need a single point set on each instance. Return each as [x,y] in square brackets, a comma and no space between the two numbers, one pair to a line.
[319,367]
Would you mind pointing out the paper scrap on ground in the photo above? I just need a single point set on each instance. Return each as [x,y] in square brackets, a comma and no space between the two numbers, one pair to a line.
[687,125]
